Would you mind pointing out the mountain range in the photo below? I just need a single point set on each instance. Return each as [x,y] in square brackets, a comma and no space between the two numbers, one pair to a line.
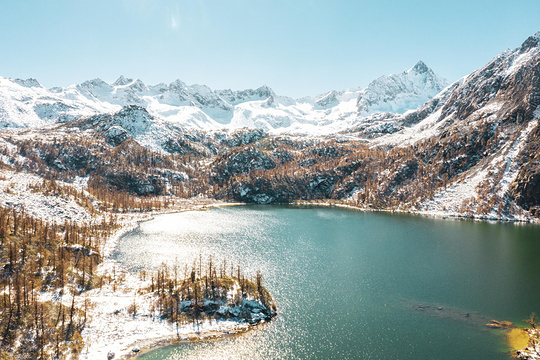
[79,163]
[406,142]
[26,103]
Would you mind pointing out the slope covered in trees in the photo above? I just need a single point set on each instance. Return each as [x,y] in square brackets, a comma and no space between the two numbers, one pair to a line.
[473,151]
[281,169]
[39,262]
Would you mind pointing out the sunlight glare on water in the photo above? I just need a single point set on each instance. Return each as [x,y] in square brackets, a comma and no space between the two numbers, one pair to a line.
[348,284]
[186,236]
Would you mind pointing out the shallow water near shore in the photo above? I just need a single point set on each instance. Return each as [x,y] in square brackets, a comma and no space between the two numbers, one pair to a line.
[355,285]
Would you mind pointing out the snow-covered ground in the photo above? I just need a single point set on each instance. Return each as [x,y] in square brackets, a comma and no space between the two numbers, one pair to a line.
[447,202]
[22,191]
[112,329]
[109,326]
[424,129]
[198,106]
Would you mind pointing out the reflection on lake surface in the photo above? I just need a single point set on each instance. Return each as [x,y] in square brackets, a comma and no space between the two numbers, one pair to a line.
[348,283]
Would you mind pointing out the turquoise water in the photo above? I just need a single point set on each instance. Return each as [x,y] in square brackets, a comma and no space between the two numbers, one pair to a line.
[348,284]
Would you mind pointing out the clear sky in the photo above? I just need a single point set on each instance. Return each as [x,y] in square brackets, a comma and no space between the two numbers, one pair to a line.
[297,47]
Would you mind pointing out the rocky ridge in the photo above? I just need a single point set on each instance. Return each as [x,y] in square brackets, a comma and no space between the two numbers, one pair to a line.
[469,151]
[25,103]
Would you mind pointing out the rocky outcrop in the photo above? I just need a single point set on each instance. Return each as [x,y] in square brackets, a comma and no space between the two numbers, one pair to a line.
[525,189]
[116,135]
[263,191]
[285,190]
[242,162]
[241,137]
[138,184]
[250,311]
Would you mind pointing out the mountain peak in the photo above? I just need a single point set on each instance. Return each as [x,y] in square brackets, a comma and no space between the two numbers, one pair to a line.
[265,90]
[133,110]
[122,81]
[420,68]
[398,93]
[138,85]
[97,82]
[177,85]
[532,41]
[31,82]
[326,99]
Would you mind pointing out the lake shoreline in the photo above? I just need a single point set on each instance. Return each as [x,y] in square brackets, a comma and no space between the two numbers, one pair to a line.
[532,351]
[161,337]
[108,311]
[429,214]
[193,337]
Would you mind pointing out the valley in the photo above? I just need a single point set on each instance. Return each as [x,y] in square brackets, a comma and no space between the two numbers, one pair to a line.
[78,164]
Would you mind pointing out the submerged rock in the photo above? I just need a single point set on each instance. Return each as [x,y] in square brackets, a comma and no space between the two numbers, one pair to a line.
[495,324]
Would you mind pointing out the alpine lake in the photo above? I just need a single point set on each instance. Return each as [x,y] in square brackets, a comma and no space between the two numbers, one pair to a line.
[355,285]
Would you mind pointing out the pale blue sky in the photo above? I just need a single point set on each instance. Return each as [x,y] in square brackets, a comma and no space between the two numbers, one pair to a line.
[297,47]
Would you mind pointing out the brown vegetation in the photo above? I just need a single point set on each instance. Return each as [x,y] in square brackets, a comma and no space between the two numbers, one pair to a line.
[208,290]
[38,260]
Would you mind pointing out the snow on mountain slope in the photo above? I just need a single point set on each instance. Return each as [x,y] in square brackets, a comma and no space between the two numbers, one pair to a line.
[497,105]
[506,89]
[341,110]
[25,103]
[338,110]
[237,97]
[398,93]
[15,192]
[131,122]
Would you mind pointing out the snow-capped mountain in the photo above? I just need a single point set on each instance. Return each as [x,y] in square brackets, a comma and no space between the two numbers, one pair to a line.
[25,103]
[507,89]
[131,122]
[471,150]
[134,122]
[486,126]
[398,93]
